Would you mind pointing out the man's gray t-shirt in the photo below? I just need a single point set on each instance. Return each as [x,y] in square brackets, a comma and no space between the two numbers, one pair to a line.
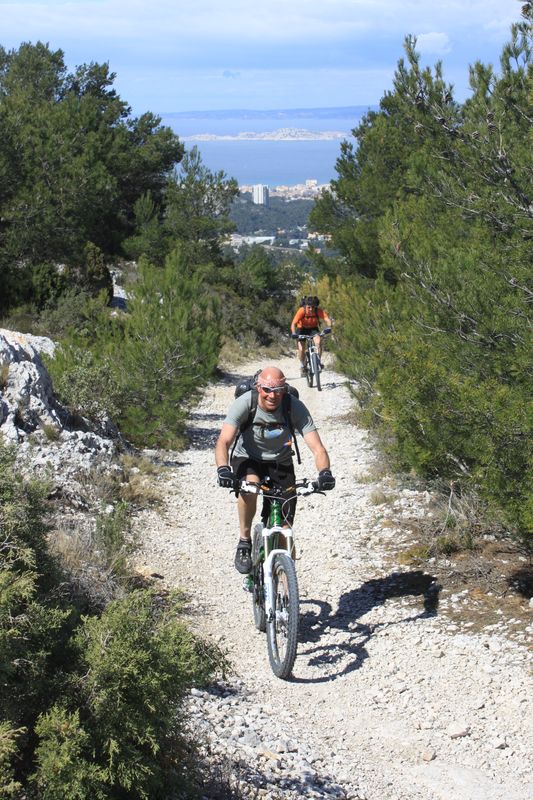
[269,438]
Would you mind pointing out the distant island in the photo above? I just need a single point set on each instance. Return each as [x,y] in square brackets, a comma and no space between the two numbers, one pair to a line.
[280,135]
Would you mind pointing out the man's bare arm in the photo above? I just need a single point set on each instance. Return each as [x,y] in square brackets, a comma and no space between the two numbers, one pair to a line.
[224,442]
[314,443]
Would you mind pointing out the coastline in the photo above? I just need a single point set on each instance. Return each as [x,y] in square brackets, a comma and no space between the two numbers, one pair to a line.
[280,135]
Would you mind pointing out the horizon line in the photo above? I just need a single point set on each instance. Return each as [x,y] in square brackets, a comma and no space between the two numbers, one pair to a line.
[268,110]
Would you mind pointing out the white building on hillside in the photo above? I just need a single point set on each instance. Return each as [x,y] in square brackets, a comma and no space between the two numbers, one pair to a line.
[260,194]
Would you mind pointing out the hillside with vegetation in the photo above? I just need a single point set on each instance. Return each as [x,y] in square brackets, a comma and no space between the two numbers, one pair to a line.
[94,665]
[432,213]
[431,219]
[288,216]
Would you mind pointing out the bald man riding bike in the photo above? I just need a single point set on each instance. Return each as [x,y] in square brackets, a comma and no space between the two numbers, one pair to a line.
[264,450]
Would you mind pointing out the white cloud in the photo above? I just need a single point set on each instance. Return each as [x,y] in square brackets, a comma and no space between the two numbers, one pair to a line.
[434,44]
[276,21]
[230,39]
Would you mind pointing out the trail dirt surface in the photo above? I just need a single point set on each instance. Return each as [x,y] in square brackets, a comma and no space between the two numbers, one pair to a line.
[391,698]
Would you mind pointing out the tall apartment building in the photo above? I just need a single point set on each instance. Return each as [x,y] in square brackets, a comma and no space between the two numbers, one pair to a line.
[260,194]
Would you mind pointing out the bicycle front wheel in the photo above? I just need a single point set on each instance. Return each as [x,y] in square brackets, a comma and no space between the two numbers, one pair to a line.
[316,370]
[309,373]
[258,592]
[282,629]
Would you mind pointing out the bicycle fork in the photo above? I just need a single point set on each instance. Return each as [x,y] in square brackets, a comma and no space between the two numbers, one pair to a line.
[268,574]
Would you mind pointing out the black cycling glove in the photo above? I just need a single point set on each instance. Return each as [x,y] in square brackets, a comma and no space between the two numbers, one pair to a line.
[326,480]
[226,477]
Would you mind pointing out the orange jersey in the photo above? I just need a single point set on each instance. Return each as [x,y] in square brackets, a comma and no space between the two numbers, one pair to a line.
[307,317]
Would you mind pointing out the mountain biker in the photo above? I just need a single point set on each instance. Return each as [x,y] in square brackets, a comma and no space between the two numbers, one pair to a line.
[264,449]
[307,321]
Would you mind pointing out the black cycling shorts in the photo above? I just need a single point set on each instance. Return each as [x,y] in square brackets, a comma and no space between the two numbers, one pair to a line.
[281,475]
[307,331]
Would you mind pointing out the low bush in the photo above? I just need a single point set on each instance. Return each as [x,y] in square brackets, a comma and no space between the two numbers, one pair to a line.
[91,702]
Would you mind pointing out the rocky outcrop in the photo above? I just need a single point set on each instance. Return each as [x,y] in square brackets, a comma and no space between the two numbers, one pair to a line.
[48,437]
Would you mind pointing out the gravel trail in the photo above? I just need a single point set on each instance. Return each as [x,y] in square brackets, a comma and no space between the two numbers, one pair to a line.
[390,699]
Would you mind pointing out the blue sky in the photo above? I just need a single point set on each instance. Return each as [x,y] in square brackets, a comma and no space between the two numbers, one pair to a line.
[184,55]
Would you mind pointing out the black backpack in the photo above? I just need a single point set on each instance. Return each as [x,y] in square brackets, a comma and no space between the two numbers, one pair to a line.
[249,384]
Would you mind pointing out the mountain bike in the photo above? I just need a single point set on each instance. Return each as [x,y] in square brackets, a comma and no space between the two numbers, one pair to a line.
[273,582]
[312,359]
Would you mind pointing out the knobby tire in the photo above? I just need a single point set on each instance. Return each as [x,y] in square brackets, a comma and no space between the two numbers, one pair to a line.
[309,373]
[258,593]
[282,630]
[316,370]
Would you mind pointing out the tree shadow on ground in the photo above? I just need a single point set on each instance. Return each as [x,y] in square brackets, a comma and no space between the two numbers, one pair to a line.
[202,437]
[231,378]
[350,653]
[521,581]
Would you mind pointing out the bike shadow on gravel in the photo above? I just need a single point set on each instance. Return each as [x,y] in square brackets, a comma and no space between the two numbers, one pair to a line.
[347,652]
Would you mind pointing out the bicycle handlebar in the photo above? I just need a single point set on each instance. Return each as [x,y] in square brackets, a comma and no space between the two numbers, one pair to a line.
[310,335]
[302,488]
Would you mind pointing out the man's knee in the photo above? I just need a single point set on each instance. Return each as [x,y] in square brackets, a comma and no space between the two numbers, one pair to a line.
[248,499]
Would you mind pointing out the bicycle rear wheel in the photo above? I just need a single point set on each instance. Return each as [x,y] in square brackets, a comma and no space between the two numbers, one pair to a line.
[316,370]
[258,592]
[282,630]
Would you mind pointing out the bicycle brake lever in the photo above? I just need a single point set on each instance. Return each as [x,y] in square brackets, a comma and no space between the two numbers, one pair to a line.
[302,491]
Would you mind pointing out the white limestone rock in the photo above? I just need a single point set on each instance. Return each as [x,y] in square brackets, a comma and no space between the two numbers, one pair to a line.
[48,439]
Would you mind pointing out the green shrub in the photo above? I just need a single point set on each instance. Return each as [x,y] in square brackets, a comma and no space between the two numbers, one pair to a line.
[83,380]
[92,704]
[167,350]
[48,283]
[113,538]
[447,545]
[65,765]
[139,661]
[9,787]
[68,312]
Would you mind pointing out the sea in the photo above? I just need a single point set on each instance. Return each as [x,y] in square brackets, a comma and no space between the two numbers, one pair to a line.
[272,163]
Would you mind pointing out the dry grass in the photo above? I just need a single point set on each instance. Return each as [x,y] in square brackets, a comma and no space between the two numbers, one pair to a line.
[99,483]
[140,491]
[132,479]
[4,376]
[468,550]
[140,464]
[414,555]
[233,353]
[52,433]
[91,576]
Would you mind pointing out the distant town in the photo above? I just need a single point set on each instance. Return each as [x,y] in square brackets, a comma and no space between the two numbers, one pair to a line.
[261,194]
[277,228]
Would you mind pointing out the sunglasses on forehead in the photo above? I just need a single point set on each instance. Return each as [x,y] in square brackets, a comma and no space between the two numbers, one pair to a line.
[272,389]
